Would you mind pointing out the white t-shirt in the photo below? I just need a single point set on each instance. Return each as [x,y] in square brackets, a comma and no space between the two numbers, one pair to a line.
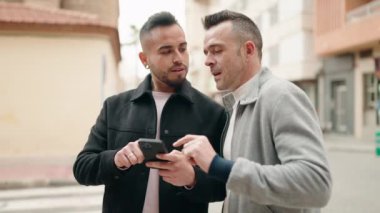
[151,204]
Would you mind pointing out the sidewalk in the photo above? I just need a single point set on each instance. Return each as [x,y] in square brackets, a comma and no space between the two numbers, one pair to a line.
[28,172]
[335,142]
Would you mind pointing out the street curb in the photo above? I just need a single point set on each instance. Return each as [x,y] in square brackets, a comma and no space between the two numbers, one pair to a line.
[343,143]
[348,148]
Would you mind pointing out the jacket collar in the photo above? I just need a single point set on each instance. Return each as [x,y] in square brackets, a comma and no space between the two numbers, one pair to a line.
[259,79]
[145,88]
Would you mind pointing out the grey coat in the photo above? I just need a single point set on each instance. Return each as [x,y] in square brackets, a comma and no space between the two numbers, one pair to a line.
[280,162]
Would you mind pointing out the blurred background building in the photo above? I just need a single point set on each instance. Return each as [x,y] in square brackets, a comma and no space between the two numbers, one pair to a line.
[347,39]
[59,60]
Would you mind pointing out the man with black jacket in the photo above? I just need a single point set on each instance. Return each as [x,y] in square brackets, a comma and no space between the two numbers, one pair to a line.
[163,106]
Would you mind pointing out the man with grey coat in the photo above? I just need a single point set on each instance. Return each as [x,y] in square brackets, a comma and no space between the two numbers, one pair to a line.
[273,155]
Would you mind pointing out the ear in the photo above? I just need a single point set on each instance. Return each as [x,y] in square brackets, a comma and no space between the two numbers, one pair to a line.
[143,59]
[250,48]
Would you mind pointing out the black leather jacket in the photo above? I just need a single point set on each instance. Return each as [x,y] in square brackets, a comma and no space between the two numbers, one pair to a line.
[132,115]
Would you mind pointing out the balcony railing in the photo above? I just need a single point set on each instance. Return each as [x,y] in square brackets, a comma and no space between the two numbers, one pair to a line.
[363,11]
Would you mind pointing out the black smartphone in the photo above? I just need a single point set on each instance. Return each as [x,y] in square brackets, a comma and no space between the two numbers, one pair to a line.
[151,147]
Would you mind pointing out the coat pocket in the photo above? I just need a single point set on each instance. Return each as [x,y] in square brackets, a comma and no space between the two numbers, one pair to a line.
[119,138]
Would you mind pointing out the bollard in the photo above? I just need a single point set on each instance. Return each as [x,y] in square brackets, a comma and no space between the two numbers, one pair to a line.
[377,140]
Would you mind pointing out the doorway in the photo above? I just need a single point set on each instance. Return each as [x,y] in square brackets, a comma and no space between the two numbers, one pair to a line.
[339,106]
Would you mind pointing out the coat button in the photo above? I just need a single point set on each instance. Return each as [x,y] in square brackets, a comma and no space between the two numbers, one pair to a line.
[166,131]
[117,177]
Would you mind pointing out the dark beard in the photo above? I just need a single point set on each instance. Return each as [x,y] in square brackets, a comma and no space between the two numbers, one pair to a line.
[176,84]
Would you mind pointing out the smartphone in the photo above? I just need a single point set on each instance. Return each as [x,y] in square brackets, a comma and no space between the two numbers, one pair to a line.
[151,147]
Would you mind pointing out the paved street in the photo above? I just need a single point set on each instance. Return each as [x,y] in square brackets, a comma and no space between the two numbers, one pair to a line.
[356,182]
[69,199]
[356,173]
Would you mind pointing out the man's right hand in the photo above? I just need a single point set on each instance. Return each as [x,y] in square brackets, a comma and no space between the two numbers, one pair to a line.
[198,148]
[128,156]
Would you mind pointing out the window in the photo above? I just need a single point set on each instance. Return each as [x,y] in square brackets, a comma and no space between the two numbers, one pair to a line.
[369,91]
[365,53]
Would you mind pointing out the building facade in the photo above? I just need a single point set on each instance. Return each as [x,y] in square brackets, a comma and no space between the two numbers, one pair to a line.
[287,31]
[347,35]
[58,63]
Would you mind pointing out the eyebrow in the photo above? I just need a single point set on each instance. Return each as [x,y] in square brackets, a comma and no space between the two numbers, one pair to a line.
[164,47]
[212,46]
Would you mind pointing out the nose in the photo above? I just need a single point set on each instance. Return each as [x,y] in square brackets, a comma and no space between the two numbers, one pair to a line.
[177,57]
[209,61]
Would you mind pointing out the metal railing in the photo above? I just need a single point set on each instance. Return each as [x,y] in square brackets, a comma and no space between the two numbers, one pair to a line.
[363,11]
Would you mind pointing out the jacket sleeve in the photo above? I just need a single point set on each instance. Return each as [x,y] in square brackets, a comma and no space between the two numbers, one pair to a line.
[95,165]
[207,188]
[302,178]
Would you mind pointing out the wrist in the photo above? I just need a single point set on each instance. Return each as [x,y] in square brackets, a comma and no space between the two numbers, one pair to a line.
[191,186]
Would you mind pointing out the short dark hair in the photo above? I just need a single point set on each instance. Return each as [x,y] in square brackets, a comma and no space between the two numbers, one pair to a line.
[244,26]
[156,20]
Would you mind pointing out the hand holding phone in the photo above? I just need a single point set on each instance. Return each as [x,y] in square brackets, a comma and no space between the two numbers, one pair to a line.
[151,147]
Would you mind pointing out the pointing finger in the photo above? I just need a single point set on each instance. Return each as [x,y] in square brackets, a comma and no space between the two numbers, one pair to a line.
[184,140]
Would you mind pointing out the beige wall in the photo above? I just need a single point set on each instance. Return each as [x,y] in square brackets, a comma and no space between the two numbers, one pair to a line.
[50,92]
[106,10]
